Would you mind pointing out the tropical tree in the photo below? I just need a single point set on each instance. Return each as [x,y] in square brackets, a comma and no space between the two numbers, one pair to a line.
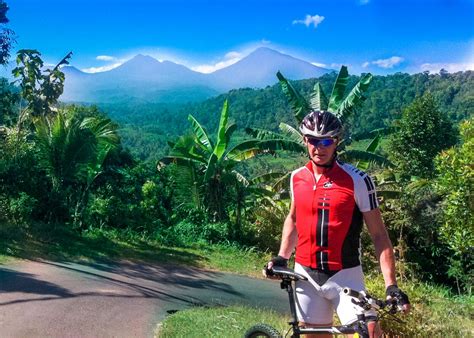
[455,182]
[339,104]
[422,132]
[41,89]
[71,150]
[7,37]
[208,167]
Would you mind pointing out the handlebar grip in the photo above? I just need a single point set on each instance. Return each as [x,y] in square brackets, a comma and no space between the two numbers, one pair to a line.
[352,293]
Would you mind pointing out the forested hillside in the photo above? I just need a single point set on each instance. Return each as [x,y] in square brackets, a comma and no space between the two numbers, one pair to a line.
[146,128]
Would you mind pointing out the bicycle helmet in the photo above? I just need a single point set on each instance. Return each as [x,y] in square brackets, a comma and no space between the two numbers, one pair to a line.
[321,124]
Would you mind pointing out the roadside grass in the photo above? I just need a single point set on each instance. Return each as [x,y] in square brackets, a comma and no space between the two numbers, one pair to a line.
[435,313]
[60,243]
[229,322]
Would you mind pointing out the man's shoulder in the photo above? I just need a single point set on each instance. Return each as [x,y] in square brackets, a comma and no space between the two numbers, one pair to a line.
[296,171]
[353,171]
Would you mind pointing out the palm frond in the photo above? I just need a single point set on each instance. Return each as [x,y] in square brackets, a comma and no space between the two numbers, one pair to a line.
[221,144]
[373,133]
[319,100]
[262,134]
[266,178]
[291,133]
[298,103]
[338,90]
[355,98]
[200,133]
[360,155]
[282,144]
[229,132]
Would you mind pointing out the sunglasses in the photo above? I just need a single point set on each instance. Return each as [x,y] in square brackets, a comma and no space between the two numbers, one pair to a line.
[325,142]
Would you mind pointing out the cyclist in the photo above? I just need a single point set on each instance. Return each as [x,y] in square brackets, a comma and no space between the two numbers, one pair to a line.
[329,202]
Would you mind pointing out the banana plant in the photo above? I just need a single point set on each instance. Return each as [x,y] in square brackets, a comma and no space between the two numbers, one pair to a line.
[212,162]
[342,106]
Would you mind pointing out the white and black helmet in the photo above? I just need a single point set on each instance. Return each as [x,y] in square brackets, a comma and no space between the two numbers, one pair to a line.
[321,124]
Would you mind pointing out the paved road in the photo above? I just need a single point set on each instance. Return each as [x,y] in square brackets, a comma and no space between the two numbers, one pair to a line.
[125,299]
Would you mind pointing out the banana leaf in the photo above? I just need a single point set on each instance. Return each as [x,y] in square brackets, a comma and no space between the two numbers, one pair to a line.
[200,133]
[291,133]
[262,134]
[319,101]
[265,178]
[360,155]
[338,90]
[354,98]
[298,103]
[221,144]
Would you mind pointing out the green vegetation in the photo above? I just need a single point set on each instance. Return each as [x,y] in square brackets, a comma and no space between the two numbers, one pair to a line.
[80,183]
[435,312]
[229,322]
[455,182]
[146,128]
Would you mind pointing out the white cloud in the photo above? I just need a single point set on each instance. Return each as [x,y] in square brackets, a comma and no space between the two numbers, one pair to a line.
[106,58]
[210,68]
[310,20]
[318,64]
[385,63]
[229,59]
[233,55]
[101,69]
[450,67]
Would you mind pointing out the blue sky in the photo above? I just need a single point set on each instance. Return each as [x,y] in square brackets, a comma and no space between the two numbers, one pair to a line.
[367,35]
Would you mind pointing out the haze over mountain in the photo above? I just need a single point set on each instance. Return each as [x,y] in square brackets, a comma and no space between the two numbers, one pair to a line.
[146,79]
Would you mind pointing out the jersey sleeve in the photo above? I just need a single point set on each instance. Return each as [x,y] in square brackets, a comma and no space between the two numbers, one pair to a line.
[365,194]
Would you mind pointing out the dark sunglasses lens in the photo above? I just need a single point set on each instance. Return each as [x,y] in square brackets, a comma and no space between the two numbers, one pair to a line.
[327,142]
[324,142]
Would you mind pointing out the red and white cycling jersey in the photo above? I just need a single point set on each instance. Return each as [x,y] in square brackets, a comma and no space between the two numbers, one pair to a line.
[329,215]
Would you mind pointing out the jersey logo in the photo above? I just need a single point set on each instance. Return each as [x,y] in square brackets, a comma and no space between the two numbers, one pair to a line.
[328,184]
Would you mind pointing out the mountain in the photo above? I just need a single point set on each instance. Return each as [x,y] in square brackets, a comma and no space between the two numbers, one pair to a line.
[141,79]
[258,69]
[145,79]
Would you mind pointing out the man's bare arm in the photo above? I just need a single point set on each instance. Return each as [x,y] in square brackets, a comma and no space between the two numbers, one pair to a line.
[289,235]
[383,245]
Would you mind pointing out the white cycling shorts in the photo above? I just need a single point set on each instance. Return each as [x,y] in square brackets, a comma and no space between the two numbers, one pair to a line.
[316,304]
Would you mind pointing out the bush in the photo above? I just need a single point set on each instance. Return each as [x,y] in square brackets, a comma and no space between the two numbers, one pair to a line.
[17,209]
[186,233]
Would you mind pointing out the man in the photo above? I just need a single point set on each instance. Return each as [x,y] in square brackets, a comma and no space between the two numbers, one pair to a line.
[330,202]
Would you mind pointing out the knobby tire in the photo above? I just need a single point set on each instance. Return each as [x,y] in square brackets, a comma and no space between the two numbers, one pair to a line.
[262,330]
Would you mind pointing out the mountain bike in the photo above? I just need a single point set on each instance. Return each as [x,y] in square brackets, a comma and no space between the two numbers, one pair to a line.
[362,300]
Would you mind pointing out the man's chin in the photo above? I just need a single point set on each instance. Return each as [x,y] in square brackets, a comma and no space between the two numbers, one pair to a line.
[320,161]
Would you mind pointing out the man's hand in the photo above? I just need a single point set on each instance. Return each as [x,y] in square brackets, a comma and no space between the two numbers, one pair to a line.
[275,261]
[401,297]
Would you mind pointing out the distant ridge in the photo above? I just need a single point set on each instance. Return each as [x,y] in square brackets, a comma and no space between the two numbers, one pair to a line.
[145,79]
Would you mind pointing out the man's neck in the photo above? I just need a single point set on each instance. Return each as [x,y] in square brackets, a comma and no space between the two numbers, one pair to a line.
[319,171]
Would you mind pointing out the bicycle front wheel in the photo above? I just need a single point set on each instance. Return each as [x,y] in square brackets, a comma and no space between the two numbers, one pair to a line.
[262,330]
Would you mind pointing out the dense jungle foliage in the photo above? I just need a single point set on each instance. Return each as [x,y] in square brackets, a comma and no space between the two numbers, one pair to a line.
[222,174]
[146,128]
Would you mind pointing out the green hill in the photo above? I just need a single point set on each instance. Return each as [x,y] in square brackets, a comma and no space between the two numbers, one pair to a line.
[147,127]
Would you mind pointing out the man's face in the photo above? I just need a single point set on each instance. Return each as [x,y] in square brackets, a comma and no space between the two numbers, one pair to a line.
[321,150]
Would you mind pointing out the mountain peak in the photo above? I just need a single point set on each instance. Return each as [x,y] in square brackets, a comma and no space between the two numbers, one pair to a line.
[143,59]
[265,50]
